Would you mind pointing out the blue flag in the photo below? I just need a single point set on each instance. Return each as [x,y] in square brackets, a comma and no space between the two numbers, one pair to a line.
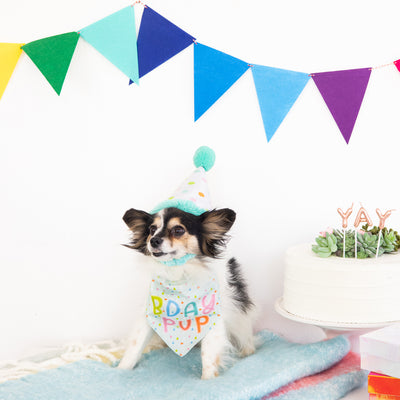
[158,41]
[277,90]
[214,73]
[115,38]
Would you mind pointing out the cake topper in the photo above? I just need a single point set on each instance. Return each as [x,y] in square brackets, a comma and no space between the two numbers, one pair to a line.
[362,216]
[382,218]
[370,241]
[345,216]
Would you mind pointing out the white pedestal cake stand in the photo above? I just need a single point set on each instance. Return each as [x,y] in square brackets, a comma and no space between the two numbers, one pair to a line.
[331,328]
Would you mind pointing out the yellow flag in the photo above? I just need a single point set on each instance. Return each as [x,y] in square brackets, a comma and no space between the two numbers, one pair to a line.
[9,55]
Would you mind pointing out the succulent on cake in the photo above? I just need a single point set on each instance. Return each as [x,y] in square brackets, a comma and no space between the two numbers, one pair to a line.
[331,242]
[391,237]
[326,245]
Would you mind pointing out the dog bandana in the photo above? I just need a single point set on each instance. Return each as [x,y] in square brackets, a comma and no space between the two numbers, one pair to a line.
[183,312]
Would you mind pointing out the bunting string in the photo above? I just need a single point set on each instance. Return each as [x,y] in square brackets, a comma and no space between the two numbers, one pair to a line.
[214,71]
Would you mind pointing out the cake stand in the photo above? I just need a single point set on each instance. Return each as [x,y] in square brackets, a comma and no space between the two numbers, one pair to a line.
[331,328]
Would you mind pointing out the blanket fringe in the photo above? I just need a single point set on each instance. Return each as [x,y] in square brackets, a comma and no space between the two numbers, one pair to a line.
[108,352]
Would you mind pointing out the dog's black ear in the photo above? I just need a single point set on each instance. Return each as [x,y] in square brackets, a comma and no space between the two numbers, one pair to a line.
[215,225]
[134,217]
[138,222]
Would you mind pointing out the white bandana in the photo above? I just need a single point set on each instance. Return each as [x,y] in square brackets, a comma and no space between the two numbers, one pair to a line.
[183,312]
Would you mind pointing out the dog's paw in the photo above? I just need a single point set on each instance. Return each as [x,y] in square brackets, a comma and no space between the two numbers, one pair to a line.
[247,351]
[155,343]
[125,364]
[210,371]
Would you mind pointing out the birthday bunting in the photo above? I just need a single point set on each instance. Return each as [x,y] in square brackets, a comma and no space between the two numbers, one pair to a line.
[52,56]
[214,73]
[343,92]
[277,90]
[9,56]
[115,38]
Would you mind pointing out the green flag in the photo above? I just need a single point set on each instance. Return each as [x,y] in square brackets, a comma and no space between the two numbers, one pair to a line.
[53,56]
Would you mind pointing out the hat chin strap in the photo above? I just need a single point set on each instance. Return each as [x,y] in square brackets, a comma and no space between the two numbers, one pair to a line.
[178,261]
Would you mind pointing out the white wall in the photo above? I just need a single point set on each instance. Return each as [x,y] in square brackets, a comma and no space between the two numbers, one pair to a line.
[70,166]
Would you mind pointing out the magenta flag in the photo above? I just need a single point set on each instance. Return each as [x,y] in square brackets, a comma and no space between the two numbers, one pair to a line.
[343,92]
[397,64]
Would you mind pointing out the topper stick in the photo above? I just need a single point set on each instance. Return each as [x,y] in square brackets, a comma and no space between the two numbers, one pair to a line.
[355,241]
[379,243]
[345,216]
[382,220]
[344,243]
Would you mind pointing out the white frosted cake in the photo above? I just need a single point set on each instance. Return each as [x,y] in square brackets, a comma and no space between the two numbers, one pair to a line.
[341,290]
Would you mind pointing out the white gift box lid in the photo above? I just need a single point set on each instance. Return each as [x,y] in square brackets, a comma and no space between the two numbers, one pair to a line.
[384,343]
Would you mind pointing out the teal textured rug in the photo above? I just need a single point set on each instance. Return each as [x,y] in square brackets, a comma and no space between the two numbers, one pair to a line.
[162,375]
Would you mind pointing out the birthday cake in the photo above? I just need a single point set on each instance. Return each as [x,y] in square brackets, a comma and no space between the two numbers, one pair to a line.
[347,277]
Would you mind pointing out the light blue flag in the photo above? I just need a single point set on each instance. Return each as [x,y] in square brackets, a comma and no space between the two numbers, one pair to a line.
[277,90]
[214,73]
[115,38]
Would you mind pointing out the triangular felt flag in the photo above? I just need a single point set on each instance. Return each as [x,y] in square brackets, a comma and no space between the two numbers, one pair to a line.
[53,56]
[343,92]
[397,64]
[277,90]
[214,73]
[158,41]
[9,55]
[115,38]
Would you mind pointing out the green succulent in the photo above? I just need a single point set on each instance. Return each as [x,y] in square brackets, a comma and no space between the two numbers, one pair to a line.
[367,243]
[391,237]
[325,245]
[349,243]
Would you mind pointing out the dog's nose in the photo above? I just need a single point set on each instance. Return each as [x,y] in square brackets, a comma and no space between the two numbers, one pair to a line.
[156,241]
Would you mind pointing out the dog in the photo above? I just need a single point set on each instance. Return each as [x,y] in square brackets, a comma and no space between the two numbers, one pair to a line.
[198,242]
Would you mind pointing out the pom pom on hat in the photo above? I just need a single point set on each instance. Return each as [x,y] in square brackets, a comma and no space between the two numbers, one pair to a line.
[204,157]
[192,195]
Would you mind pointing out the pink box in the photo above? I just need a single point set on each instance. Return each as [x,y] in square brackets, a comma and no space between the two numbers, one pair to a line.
[380,351]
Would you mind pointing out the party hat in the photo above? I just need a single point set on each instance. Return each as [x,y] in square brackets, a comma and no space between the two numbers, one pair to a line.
[192,195]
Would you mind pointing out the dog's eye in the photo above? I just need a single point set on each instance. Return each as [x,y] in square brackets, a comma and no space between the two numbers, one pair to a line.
[152,229]
[177,231]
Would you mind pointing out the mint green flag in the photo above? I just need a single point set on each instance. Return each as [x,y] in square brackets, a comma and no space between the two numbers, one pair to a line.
[115,38]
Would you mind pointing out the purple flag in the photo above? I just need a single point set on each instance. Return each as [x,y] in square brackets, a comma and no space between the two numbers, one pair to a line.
[343,92]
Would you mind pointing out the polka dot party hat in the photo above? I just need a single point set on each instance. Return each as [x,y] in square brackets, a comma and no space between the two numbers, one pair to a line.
[192,195]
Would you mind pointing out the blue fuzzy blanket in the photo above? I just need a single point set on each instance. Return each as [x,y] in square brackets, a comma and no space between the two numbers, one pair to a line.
[162,375]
